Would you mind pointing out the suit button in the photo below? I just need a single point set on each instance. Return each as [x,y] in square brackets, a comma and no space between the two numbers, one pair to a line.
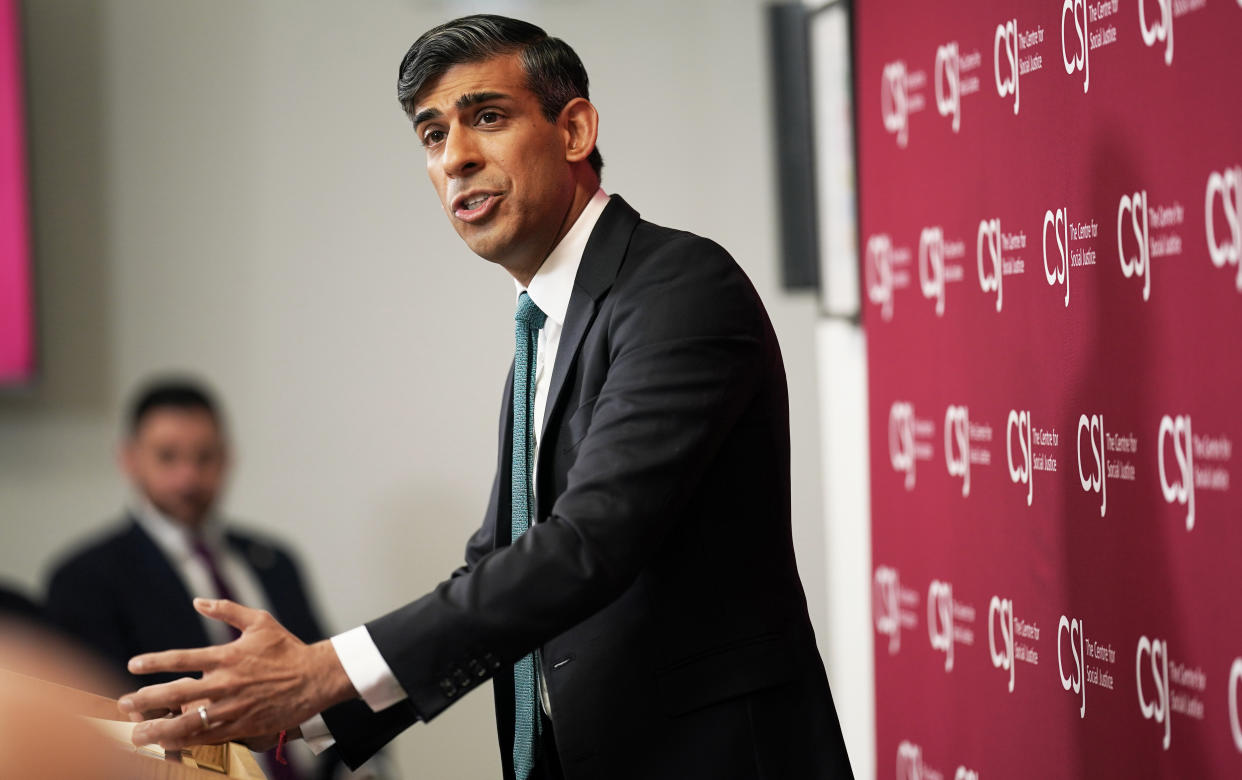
[462,679]
[477,669]
[447,686]
[491,661]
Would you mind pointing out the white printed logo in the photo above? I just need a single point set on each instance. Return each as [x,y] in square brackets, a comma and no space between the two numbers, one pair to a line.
[1000,612]
[1235,677]
[1076,9]
[1098,482]
[1007,35]
[965,774]
[894,101]
[1060,230]
[1161,30]
[949,99]
[1157,651]
[901,445]
[1075,679]
[909,761]
[1140,264]
[879,273]
[1227,185]
[957,430]
[1182,489]
[940,620]
[1021,471]
[931,266]
[990,234]
[885,593]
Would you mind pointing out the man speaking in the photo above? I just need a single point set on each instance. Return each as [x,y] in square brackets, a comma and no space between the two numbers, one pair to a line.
[632,592]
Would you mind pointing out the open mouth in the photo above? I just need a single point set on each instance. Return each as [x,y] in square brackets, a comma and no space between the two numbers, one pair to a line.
[472,207]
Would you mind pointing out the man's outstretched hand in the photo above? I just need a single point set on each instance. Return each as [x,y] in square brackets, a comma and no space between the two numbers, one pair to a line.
[263,682]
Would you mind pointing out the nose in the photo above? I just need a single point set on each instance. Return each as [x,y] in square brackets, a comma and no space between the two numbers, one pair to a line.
[461,153]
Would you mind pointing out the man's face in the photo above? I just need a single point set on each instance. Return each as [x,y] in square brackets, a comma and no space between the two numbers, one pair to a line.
[498,165]
[176,459]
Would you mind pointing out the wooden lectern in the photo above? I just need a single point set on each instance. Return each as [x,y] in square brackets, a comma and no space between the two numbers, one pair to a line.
[78,708]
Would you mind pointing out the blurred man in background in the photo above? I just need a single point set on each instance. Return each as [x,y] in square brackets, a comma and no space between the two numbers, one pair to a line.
[131,590]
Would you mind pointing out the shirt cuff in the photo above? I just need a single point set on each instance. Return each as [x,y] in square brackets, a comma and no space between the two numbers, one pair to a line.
[367,670]
[316,735]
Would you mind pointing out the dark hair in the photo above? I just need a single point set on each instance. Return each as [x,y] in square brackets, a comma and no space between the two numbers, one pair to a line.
[171,393]
[553,71]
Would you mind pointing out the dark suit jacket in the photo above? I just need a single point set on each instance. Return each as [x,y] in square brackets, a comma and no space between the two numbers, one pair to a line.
[119,596]
[659,582]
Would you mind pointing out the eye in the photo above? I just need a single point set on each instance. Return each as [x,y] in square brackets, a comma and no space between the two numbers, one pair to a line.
[489,118]
[433,137]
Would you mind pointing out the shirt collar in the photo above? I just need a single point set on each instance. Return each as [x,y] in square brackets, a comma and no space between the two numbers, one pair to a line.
[169,535]
[554,281]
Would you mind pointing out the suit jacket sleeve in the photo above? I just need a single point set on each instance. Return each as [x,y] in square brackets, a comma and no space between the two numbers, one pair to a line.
[686,341]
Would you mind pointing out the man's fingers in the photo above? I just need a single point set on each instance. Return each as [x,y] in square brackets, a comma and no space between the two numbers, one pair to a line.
[165,696]
[199,660]
[230,612]
[182,731]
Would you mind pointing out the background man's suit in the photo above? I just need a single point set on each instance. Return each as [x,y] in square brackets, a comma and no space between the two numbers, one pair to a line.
[659,581]
[120,597]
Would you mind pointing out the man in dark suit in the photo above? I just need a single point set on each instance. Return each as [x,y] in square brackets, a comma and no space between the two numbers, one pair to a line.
[632,591]
[130,591]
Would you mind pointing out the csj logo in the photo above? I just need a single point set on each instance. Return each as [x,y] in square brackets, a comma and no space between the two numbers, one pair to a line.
[1020,472]
[1098,481]
[1060,231]
[886,604]
[1227,185]
[990,275]
[940,620]
[931,266]
[948,73]
[910,765]
[1000,613]
[895,101]
[1139,264]
[1235,677]
[879,273]
[1156,707]
[1076,679]
[1180,488]
[957,432]
[1159,31]
[1006,36]
[901,444]
[1077,10]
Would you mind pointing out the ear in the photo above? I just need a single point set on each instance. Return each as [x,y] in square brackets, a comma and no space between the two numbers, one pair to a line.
[126,456]
[579,121]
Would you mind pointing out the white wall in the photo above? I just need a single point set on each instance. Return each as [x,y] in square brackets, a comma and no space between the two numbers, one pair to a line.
[229,187]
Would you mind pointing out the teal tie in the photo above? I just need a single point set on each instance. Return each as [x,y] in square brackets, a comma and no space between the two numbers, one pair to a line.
[526,721]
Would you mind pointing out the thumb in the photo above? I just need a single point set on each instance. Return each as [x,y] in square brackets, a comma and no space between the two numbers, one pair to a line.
[226,611]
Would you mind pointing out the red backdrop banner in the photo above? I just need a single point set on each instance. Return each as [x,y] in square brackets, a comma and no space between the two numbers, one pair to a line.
[1050,197]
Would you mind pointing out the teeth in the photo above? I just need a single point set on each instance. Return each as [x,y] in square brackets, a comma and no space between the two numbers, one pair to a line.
[475,202]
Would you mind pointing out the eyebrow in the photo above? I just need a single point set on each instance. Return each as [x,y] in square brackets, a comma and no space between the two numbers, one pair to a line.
[465,101]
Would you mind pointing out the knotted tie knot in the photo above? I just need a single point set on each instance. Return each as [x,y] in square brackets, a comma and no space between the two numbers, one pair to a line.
[529,314]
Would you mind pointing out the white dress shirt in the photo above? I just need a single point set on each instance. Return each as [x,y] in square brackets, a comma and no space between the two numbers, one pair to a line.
[550,289]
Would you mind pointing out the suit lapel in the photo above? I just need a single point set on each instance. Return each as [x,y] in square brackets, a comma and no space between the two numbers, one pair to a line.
[162,592]
[601,261]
